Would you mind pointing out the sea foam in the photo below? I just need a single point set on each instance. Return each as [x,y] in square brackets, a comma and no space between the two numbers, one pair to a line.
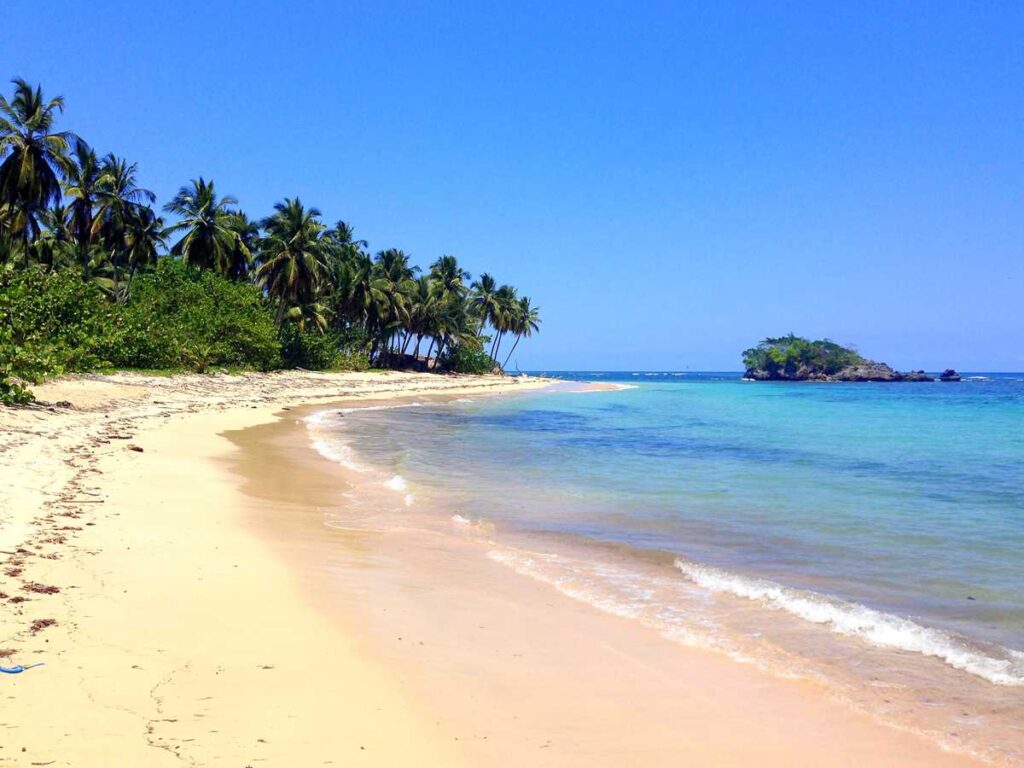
[881,629]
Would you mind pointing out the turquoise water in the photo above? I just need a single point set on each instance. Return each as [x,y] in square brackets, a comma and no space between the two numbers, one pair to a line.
[851,531]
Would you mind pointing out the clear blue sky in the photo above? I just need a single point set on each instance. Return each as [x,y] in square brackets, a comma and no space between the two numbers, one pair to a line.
[670,182]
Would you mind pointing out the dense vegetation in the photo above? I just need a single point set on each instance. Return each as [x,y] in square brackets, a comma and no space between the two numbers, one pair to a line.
[792,354]
[92,276]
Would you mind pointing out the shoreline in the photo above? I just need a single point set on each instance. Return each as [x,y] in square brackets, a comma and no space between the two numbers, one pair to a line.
[427,600]
[178,635]
[218,619]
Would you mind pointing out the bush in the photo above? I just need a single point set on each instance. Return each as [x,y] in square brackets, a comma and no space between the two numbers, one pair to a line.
[468,357]
[50,323]
[329,351]
[180,318]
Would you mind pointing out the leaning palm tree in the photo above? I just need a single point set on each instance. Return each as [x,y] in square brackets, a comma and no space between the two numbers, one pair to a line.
[504,316]
[210,233]
[527,322]
[293,256]
[37,158]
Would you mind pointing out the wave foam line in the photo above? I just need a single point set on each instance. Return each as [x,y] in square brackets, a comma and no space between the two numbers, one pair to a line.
[881,629]
[622,593]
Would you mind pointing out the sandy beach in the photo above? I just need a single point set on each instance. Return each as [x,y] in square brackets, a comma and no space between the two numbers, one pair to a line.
[164,556]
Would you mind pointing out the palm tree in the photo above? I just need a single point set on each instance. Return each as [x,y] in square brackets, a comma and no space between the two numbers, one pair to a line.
[422,313]
[84,184]
[355,295]
[393,285]
[527,322]
[144,239]
[449,277]
[53,246]
[37,158]
[211,238]
[312,315]
[119,200]
[484,302]
[504,315]
[239,263]
[293,256]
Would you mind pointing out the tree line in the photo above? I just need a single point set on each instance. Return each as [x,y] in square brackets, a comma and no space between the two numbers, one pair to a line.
[65,208]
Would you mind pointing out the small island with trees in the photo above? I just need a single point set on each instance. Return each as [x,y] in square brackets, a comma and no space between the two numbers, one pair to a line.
[793,358]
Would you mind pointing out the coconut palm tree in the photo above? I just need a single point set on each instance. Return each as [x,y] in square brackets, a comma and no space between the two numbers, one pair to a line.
[423,305]
[210,236]
[238,262]
[483,302]
[119,199]
[394,284]
[449,277]
[507,307]
[311,316]
[526,323]
[36,159]
[144,239]
[53,246]
[84,184]
[293,255]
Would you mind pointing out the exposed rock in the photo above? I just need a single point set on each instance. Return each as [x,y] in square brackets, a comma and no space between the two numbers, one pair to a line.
[869,370]
[949,375]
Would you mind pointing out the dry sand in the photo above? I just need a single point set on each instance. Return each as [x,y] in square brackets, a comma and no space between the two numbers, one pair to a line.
[207,617]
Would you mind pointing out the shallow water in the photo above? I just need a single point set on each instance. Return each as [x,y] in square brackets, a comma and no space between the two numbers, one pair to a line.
[868,536]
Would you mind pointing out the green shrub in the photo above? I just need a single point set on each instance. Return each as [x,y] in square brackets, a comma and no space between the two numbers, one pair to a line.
[468,357]
[329,351]
[179,318]
[50,323]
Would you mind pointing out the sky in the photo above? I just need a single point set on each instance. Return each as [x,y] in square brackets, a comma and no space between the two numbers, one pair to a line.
[669,182]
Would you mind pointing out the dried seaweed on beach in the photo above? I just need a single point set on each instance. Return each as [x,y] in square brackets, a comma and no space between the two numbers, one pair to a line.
[42,589]
[40,624]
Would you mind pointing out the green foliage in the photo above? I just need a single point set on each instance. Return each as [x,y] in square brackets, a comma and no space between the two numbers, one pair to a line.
[468,357]
[181,318]
[50,323]
[789,354]
[330,351]
[238,292]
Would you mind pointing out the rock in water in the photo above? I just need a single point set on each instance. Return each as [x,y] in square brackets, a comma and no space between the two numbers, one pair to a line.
[949,375]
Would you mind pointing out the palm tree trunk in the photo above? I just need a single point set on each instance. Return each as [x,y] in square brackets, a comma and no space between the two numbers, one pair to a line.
[429,350]
[497,346]
[505,364]
[128,288]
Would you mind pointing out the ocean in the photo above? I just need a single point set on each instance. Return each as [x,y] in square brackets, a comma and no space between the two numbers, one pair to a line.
[868,537]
